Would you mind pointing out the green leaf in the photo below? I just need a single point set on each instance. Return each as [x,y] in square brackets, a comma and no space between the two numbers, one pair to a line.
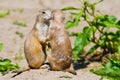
[1,46]
[20,23]
[111,19]
[118,24]
[118,34]
[110,70]
[73,34]
[77,46]
[75,22]
[107,18]
[119,49]
[107,21]
[114,61]
[93,48]
[6,66]
[81,41]
[70,8]
[100,71]
[70,24]
[92,5]
[4,13]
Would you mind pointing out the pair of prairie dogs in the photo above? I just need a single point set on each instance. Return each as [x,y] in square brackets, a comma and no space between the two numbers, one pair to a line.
[49,27]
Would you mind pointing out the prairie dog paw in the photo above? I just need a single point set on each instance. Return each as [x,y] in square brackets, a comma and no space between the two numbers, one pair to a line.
[43,40]
[45,66]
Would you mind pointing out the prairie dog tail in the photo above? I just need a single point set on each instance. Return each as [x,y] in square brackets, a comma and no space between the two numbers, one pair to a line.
[20,71]
[71,70]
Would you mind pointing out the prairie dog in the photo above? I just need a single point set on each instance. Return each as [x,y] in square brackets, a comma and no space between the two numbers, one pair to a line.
[61,51]
[35,45]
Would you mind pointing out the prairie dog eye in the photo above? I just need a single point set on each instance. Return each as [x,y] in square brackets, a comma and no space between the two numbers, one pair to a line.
[43,12]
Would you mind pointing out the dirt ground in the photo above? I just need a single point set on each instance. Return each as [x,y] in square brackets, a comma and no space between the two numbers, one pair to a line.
[13,44]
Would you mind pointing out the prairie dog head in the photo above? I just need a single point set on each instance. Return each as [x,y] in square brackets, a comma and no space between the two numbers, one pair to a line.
[58,15]
[44,15]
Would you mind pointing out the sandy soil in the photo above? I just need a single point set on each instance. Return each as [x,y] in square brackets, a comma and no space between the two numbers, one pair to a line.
[13,44]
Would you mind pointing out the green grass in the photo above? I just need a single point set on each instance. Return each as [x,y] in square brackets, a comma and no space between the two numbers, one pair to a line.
[4,13]
[19,23]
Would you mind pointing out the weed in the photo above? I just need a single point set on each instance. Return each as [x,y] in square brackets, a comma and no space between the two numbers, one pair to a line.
[22,24]
[97,23]
[18,56]
[6,66]
[4,13]
[107,29]
[110,70]
[20,34]
[20,10]
[1,46]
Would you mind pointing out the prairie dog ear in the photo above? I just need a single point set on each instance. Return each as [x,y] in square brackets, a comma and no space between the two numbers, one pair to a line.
[54,13]
[58,14]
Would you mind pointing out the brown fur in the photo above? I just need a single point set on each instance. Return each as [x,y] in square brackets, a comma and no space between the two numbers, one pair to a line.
[61,51]
[35,45]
